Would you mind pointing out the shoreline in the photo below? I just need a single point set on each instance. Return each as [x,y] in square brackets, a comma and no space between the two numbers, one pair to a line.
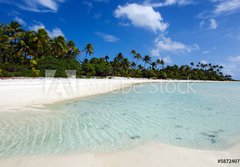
[147,154]
[18,93]
[27,93]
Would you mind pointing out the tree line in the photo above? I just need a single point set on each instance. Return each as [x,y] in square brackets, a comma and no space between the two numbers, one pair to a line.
[30,53]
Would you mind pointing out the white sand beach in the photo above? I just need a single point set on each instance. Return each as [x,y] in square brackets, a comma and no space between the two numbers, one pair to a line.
[149,154]
[19,94]
[23,92]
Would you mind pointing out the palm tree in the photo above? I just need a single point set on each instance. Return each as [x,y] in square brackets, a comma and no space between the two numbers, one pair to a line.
[198,65]
[117,64]
[106,58]
[160,62]
[134,53]
[153,64]
[12,32]
[221,67]
[120,57]
[29,45]
[125,64]
[22,48]
[73,51]
[147,60]
[41,39]
[192,64]
[203,65]
[89,50]
[4,43]
[138,57]
[13,29]
[140,67]
[125,67]
[59,46]
[133,65]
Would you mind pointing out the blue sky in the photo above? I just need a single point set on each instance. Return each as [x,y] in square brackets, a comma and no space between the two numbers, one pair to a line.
[178,31]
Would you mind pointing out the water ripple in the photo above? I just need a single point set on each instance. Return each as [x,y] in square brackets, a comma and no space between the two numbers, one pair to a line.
[120,121]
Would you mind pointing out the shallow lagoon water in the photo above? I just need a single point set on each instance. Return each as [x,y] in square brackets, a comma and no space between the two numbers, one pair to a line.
[206,118]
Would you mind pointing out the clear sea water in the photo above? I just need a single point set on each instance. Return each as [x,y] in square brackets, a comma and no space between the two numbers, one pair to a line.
[206,118]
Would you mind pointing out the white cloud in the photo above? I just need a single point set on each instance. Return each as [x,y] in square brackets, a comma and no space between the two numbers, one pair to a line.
[43,5]
[20,21]
[221,7]
[35,5]
[226,6]
[213,24]
[206,52]
[231,69]
[107,37]
[232,66]
[165,44]
[169,2]
[235,59]
[36,26]
[204,61]
[142,16]
[167,60]
[55,32]
[51,4]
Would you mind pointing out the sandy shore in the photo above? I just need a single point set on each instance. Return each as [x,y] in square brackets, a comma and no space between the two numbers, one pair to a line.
[23,93]
[20,93]
[146,155]
[17,94]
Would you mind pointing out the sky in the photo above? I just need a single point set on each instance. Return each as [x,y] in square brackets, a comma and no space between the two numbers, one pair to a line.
[177,31]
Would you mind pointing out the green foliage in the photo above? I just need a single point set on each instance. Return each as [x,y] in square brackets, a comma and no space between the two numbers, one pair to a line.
[23,53]
[58,64]
[97,67]
[30,53]
[11,70]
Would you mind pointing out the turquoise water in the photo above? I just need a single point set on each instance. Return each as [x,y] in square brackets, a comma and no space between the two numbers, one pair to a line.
[205,119]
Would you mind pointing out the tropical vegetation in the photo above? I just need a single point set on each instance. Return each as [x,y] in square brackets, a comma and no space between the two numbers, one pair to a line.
[30,53]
